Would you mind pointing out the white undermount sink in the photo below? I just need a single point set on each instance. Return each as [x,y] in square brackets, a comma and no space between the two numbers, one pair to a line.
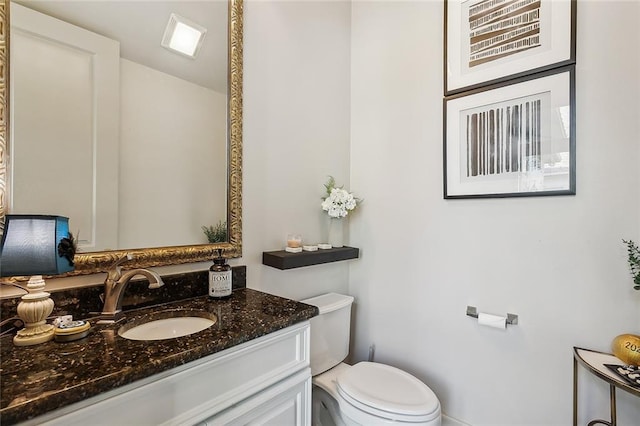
[167,328]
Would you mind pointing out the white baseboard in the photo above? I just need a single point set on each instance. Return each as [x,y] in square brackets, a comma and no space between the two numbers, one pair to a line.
[450,421]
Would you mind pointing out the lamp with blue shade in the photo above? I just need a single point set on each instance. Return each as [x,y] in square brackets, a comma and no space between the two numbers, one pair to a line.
[35,245]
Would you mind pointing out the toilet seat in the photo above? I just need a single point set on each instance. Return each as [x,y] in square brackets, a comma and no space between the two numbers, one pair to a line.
[386,392]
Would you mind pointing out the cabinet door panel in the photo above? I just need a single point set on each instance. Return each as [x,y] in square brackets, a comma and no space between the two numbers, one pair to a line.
[285,403]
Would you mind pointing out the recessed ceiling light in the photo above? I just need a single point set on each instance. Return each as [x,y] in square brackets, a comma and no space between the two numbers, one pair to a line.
[183,36]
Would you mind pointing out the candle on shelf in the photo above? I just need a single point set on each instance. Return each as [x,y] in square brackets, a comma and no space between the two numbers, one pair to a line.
[294,243]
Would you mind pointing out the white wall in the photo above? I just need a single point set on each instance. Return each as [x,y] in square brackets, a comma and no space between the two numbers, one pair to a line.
[173,153]
[557,262]
[296,132]
[64,134]
[76,109]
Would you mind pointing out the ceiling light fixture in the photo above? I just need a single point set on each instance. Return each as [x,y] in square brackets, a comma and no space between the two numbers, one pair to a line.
[183,36]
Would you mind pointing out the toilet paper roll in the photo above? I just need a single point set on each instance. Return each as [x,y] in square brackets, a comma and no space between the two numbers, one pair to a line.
[494,321]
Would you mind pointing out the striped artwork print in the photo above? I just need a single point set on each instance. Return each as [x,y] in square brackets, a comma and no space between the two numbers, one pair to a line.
[499,28]
[504,139]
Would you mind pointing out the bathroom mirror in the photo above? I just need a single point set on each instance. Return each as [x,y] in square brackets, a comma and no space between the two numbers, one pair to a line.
[167,252]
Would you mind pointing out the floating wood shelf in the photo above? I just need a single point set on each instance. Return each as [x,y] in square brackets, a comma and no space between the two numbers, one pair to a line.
[284,260]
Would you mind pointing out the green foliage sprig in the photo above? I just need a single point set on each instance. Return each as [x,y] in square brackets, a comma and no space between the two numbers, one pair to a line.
[634,262]
[331,183]
[217,233]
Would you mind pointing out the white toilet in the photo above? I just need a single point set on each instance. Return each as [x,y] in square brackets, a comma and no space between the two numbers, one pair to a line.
[366,393]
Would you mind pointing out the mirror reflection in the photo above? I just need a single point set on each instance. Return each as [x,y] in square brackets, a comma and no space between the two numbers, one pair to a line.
[108,127]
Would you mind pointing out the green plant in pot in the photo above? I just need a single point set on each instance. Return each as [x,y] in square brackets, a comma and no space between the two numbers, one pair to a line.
[217,233]
[627,346]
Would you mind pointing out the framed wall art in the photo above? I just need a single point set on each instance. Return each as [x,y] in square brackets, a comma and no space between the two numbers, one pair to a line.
[490,41]
[512,139]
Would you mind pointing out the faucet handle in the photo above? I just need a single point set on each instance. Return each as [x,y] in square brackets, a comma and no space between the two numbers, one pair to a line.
[114,271]
[123,259]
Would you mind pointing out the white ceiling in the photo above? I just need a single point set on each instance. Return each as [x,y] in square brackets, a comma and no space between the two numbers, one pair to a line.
[139,27]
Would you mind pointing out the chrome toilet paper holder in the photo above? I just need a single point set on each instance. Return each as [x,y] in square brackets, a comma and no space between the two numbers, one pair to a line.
[512,319]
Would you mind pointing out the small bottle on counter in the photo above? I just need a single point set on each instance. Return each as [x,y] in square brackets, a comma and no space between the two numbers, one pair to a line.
[220,285]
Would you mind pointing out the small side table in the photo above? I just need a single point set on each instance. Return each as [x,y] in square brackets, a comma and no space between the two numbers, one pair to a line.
[594,362]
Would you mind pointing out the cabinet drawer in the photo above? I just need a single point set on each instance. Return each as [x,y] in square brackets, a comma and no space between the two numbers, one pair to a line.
[285,403]
[198,390]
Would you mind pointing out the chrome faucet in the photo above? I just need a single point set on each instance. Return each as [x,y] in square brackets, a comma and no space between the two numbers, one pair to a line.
[115,285]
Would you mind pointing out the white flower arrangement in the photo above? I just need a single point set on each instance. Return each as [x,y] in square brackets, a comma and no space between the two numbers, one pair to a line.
[338,202]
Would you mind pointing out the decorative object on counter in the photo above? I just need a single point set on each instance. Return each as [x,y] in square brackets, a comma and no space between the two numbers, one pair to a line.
[217,233]
[71,331]
[324,246]
[338,202]
[310,247]
[220,280]
[634,262]
[36,245]
[627,348]
[294,243]
[62,320]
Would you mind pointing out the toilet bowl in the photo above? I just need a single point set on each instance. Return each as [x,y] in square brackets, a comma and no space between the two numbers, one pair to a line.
[366,393]
[372,394]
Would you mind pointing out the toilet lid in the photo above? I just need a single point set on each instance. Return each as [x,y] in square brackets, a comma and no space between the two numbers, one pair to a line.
[387,392]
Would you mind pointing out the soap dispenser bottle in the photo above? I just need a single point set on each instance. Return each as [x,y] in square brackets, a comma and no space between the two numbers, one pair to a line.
[220,278]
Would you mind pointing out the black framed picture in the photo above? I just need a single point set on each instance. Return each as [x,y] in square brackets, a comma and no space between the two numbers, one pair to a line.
[511,139]
[490,41]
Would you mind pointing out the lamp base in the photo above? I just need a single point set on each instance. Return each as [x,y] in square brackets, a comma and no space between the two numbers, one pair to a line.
[31,336]
[33,310]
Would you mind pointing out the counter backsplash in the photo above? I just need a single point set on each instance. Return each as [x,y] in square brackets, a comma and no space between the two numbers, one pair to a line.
[85,302]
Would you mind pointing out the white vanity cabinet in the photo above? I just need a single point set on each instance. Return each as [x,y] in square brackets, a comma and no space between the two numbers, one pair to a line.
[263,381]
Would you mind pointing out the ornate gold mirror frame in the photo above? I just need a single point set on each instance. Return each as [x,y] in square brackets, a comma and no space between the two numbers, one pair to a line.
[90,263]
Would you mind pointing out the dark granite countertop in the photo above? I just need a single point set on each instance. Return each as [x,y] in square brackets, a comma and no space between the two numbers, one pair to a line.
[37,379]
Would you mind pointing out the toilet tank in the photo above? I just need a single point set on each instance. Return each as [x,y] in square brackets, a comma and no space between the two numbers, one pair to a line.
[330,331]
